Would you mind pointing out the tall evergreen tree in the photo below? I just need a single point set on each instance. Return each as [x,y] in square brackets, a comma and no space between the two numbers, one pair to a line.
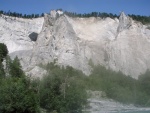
[3,54]
[3,51]
[42,15]
[2,72]
[16,69]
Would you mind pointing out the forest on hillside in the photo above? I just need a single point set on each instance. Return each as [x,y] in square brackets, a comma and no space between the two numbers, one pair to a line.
[56,92]
[64,89]
[143,19]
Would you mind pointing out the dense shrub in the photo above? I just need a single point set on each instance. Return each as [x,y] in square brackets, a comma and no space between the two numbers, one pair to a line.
[17,97]
[61,91]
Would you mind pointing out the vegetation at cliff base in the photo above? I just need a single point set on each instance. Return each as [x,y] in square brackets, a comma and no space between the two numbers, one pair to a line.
[120,87]
[116,85]
[59,91]
[16,93]
[63,89]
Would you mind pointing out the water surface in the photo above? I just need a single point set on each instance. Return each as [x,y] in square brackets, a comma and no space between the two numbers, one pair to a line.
[143,111]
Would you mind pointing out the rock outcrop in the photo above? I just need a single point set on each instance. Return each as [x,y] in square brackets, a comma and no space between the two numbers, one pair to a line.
[120,44]
[15,32]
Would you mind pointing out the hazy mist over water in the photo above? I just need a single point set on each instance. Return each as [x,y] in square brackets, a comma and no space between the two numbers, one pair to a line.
[132,112]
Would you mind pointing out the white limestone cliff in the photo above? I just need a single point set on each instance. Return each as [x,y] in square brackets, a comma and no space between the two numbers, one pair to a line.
[14,32]
[120,44]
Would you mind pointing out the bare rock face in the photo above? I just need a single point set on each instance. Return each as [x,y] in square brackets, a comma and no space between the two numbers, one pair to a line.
[124,22]
[58,41]
[120,44]
[129,53]
[15,32]
[37,72]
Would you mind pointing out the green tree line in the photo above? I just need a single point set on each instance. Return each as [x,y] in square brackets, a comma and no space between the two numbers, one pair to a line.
[20,15]
[92,14]
[143,19]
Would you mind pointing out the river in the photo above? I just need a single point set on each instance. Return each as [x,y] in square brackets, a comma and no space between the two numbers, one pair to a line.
[111,106]
[132,111]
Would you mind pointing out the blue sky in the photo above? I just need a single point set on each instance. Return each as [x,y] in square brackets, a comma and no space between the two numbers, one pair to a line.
[138,7]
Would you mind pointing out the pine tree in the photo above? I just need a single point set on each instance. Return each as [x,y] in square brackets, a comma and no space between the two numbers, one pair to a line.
[3,54]
[16,69]
[2,72]
[3,51]
[33,16]
[25,16]
[42,15]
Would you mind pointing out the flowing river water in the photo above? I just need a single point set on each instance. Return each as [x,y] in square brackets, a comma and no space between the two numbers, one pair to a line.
[110,106]
[135,112]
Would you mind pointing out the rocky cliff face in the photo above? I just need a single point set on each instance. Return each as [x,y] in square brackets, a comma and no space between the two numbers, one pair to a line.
[17,33]
[120,44]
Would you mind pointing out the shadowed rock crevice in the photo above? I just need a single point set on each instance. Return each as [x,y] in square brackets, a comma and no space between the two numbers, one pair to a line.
[33,36]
